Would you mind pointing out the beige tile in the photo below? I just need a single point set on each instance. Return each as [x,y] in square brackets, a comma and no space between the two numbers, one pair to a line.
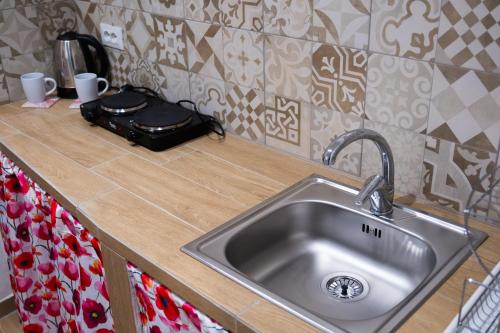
[241,185]
[327,125]
[191,202]
[464,107]
[242,14]
[140,30]
[344,23]
[205,49]
[62,177]
[468,34]
[451,171]
[288,125]
[288,67]
[289,18]
[209,94]
[398,92]
[203,10]
[339,78]
[408,167]
[405,28]
[171,44]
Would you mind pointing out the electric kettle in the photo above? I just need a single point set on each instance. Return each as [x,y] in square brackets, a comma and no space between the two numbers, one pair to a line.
[73,55]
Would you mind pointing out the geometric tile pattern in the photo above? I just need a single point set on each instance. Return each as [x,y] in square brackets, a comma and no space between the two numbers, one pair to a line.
[398,91]
[339,78]
[140,28]
[55,18]
[292,18]
[469,34]
[171,41]
[174,83]
[328,124]
[406,28]
[287,125]
[209,95]
[465,107]
[120,67]
[451,172]
[143,73]
[245,113]
[344,23]
[242,14]
[4,92]
[88,17]
[244,57]
[203,10]
[19,32]
[205,49]
[288,67]
[407,166]
[41,61]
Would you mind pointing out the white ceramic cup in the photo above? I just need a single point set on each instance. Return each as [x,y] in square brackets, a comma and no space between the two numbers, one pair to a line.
[35,88]
[87,86]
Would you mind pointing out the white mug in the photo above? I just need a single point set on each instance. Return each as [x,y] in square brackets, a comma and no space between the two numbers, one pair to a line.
[34,86]
[86,86]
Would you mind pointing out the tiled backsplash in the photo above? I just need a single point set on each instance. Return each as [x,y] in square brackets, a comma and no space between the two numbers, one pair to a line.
[293,74]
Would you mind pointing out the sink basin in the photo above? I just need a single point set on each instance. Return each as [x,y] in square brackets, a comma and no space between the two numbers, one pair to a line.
[312,251]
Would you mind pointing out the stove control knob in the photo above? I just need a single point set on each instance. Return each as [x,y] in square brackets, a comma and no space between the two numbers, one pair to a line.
[132,135]
[90,114]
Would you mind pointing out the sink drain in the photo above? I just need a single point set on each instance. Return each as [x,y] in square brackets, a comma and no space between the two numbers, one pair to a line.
[345,287]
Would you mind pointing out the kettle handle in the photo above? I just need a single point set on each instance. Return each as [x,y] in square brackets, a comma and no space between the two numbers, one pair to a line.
[85,41]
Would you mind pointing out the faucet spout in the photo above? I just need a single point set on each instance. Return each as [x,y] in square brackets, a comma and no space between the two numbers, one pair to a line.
[382,192]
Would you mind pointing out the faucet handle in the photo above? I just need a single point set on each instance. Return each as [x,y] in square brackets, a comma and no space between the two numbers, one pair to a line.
[372,183]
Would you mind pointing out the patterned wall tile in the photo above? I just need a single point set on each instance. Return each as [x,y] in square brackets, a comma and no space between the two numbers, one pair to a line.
[465,107]
[56,18]
[174,83]
[245,112]
[345,23]
[113,15]
[116,3]
[205,49]
[292,18]
[398,92]
[88,17]
[120,67]
[451,171]
[141,42]
[405,28]
[4,92]
[143,73]
[243,14]
[288,125]
[209,95]
[134,4]
[469,34]
[6,4]
[288,67]
[339,78]
[171,41]
[327,125]
[244,57]
[14,67]
[19,32]
[407,166]
[166,7]
[203,10]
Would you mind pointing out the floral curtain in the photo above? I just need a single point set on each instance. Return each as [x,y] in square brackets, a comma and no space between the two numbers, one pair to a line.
[161,311]
[55,264]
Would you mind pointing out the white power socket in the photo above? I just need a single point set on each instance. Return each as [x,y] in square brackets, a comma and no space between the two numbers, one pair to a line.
[112,36]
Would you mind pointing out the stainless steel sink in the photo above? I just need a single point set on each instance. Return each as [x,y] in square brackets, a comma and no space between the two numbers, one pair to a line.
[311,250]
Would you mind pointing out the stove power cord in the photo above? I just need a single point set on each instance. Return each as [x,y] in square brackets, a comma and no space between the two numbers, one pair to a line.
[215,127]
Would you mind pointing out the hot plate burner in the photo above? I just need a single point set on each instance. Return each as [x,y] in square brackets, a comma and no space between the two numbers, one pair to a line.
[124,103]
[161,118]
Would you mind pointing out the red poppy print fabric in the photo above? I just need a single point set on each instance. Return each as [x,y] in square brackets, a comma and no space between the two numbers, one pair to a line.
[55,264]
[161,311]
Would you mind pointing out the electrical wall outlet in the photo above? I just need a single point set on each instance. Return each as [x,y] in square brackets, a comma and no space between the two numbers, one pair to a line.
[112,36]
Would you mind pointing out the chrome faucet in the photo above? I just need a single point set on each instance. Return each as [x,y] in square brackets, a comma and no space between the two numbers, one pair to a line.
[380,189]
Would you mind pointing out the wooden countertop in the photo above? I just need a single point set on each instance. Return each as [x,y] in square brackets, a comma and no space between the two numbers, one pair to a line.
[146,205]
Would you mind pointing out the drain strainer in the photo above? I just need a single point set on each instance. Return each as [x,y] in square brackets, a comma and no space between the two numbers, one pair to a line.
[345,287]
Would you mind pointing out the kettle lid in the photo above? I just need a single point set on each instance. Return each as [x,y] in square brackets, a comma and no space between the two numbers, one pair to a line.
[69,35]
